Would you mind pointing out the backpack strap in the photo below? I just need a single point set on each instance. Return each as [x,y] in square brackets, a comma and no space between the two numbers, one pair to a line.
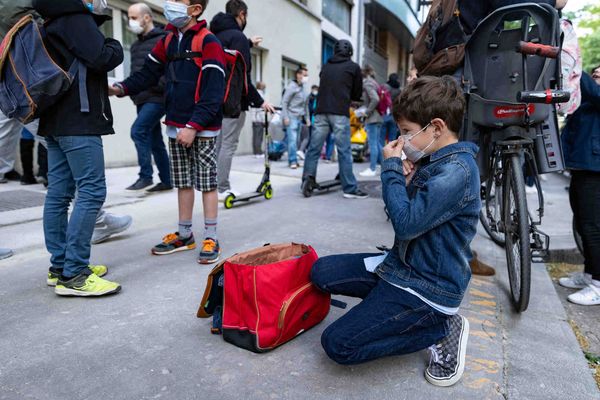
[197,45]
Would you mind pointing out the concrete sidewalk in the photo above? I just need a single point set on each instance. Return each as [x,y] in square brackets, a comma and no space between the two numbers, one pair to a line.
[146,342]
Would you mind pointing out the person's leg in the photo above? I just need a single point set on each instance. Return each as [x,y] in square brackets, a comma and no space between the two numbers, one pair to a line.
[292,140]
[27,145]
[587,187]
[10,133]
[344,274]
[230,136]
[205,181]
[373,137]
[61,190]
[330,146]
[320,132]
[141,135]
[341,130]
[85,156]
[388,322]
[159,151]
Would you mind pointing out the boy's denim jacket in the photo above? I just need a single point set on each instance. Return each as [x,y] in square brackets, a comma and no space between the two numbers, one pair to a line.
[435,219]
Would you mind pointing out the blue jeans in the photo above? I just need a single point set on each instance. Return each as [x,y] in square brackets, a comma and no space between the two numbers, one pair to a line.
[147,136]
[75,164]
[329,146]
[387,322]
[292,131]
[389,130]
[375,147]
[340,126]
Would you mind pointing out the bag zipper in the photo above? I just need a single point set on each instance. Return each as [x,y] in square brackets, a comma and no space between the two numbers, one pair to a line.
[286,304]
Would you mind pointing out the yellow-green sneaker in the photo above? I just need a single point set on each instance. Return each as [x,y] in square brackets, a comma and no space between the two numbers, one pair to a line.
[99,270]
[86,286]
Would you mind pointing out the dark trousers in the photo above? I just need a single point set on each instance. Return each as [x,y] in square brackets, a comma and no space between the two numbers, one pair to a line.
[387,322]
[258,130]
[147,136]
[584,196]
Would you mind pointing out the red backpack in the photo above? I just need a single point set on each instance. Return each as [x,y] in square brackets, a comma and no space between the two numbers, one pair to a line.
[236,83]
[385,100]
[264,298]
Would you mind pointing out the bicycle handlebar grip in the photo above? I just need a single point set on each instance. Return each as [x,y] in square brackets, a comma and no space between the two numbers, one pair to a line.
[544,96]
[541,50]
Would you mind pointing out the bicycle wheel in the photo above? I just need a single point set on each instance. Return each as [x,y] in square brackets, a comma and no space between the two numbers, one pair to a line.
[516,229]
[491,212]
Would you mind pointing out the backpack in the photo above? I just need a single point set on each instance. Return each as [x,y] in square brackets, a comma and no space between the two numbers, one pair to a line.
[30,80]
[236,84]
[264,298]
[385,100]
[440,43]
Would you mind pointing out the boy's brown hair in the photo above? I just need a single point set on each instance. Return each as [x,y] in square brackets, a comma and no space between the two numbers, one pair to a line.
[431,97]
[203,3]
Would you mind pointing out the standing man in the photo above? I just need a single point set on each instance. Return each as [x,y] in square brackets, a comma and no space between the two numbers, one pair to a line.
[146,130]
[341,83]
[229,27]
[294,107]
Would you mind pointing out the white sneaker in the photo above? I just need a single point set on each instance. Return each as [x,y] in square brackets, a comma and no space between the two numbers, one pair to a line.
[368,173]
[300,154]
[108,225]
[576,280]
[588,296]
[223,195]
[530,190]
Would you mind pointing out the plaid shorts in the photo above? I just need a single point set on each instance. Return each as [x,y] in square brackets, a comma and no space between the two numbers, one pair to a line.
[196,166]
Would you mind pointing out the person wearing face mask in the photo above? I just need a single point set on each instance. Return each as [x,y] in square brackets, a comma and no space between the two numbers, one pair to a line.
[146,131]
[294,107]
[74,140]
[411,295]
[229,29]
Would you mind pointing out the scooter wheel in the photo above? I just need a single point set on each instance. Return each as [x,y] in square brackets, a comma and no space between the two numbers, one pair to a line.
[229,202]
[269,193]
[307,188]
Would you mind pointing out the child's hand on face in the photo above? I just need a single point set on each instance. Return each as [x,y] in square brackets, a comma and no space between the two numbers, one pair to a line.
[393,149]
[409,170]
[186,137]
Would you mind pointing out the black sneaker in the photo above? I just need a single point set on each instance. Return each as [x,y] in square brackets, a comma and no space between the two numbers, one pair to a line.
[447,362]
[28,180]
[12,175]
[139,185]
[210,253]
[173,243]
[159,187]
[357,194]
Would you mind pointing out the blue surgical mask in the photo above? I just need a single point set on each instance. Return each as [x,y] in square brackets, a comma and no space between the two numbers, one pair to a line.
[176,14]
[97,6]
[411,152]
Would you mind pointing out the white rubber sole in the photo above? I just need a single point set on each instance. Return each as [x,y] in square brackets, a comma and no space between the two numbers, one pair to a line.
[462,353]
[107,236]
[77,293]
[351,196]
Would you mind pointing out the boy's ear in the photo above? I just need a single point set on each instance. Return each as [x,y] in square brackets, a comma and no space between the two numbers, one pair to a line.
[440,127]
[197,11]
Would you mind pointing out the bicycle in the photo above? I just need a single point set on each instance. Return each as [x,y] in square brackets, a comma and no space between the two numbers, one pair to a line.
[511,82]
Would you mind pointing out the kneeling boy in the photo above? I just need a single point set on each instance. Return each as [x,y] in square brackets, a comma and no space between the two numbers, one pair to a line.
[411,295]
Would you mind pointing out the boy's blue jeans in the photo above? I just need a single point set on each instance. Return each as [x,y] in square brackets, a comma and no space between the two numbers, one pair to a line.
[75,164]
[387,322]
[147,136]
[375,147]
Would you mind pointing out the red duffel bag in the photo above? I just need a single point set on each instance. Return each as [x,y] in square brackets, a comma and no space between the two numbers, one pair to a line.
[264,296]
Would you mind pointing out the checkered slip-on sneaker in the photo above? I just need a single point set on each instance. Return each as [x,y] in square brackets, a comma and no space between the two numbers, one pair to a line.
[447,362]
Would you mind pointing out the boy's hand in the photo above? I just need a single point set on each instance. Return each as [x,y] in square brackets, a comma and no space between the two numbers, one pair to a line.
[393,149]
[409,170]
[186,137]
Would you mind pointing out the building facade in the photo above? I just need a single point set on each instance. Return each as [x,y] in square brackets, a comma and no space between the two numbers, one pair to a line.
[296,33]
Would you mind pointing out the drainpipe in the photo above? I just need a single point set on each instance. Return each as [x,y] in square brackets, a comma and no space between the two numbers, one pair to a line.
[361,29]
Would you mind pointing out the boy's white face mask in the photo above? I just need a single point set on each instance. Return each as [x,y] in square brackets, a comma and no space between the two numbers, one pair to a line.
[412,153]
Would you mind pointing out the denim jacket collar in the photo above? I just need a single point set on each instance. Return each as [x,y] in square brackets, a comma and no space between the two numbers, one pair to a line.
[460,147]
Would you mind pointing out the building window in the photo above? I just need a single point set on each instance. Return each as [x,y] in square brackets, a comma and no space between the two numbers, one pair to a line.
[129,38]
[374,39]
[328,48]
[288,72]
[338,12]
[256,59]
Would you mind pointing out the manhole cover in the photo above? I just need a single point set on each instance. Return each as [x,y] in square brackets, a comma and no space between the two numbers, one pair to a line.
[18,199]
[373,188]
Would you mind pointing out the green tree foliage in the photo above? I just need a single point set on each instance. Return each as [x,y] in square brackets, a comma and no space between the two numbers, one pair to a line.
[588,18]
